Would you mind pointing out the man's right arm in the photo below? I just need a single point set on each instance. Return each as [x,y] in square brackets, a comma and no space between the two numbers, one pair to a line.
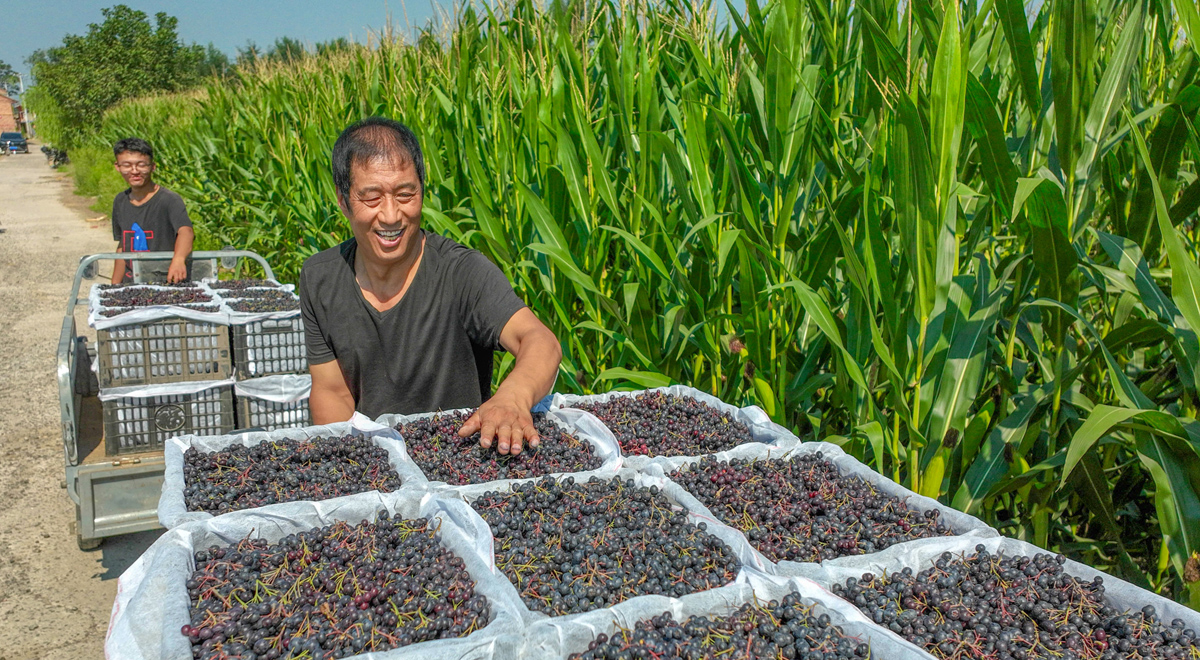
[330,400]
[118,274]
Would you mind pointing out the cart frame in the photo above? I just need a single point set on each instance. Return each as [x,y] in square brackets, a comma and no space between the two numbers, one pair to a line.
[112,494]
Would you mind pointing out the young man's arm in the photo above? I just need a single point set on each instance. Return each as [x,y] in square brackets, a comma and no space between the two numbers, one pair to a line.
[505,417]
[330,400]
[118,268]
[183,247]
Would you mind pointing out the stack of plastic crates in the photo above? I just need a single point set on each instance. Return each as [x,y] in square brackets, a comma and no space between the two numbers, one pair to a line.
[163,378]
[271,366]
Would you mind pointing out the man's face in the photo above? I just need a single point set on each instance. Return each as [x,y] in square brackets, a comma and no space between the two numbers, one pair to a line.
[135,168]
[384,209]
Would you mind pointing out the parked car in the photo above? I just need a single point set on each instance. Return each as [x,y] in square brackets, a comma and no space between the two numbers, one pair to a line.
[14,142]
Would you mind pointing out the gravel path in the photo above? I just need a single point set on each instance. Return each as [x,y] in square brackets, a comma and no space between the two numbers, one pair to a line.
[54,599]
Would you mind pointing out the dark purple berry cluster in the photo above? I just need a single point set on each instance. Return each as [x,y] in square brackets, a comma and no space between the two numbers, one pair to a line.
[658,424]
[779,629]
[142,296]
[434,445]
[804,508]
[114,311]
[331,592]
[281,303]
[285,471]
[224,287]
[185,284]
[573,548]
[995,607]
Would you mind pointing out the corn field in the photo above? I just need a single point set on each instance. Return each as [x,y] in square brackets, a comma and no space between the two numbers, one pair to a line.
[958,240]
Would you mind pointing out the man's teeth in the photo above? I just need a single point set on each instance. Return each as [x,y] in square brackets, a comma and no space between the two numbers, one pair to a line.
[389,234]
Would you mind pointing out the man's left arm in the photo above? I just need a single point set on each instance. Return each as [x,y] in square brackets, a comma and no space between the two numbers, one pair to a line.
[177,215]
[505,417]
[183,247]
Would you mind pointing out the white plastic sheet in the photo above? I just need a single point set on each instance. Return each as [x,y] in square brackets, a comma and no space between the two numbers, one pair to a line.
[762,429]
[172,508]
[575,422]
[746,555]
[958,522]
[921,555]
[559,638]
[284,388]
[152,602]
[138,315]
[160,389]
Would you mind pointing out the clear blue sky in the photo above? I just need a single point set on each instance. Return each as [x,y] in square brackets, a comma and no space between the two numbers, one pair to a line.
[32,24]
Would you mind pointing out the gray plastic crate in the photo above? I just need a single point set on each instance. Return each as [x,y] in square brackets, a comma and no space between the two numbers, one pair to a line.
[167,351]
[142,424]
[267,348]
[255,413]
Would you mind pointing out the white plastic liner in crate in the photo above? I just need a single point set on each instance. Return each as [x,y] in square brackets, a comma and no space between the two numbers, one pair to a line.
[152,602]
[289,391]
[746,555]
[576,422]
[138,315]
[762,429]
[958,522]
[172,507]
[559,638]
[1121,594]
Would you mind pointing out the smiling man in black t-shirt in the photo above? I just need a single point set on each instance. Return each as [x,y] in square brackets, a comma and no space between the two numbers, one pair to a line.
[400,320]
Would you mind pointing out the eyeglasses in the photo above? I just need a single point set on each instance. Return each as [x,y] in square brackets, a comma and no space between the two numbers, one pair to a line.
[134,167]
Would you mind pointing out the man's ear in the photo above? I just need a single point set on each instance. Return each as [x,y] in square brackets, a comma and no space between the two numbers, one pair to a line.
[345,207]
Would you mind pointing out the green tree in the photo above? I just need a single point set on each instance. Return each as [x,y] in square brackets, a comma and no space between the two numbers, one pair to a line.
[123,57]
[8,77]
[214,63]
[287,50]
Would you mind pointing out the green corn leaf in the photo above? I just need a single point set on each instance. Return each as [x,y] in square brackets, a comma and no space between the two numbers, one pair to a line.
[1191,21]
[1016,33]
[992,463]
[647,379]
[1096,426]
[984,126]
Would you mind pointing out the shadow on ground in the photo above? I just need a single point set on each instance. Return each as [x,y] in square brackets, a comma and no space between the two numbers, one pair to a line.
[117,553]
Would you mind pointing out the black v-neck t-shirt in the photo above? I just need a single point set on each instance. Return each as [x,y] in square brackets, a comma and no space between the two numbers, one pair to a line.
[430,351]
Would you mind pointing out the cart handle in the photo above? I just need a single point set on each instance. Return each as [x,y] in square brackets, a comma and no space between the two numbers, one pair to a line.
[66,338]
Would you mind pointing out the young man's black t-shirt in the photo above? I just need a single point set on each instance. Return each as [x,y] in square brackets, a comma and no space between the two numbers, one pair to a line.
[151,226]
[158,220]
[431,351]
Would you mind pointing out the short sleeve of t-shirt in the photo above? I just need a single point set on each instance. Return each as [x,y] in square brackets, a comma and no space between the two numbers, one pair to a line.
[487,299]
[117,233]
[319,350]
[177,213]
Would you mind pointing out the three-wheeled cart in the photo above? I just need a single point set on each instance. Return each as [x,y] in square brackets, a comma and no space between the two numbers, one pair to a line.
[114,493]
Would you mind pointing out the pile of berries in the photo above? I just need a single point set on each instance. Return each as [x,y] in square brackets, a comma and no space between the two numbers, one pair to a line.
[573,548]
[114,311]
[223,287]
[274,295]
[285,471]
[330,592]
[184,284]
[283,303]
[658,424]
[803,508]
[780,629]
[434,445]
[141,296]
[992,607]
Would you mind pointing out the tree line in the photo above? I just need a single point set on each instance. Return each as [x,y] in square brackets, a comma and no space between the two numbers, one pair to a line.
[128,55]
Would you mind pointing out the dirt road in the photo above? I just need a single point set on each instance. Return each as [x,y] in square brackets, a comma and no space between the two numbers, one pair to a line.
[54,599]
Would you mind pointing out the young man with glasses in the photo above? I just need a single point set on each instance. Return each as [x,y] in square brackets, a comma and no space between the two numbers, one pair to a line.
[148,217]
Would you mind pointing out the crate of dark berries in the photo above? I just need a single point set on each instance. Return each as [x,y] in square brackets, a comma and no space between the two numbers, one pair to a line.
[432,443]
[570,547]
[676,421]
[811,503]
[213,476]
[395,578]
[1001,598]
[760,616]
[132,303]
